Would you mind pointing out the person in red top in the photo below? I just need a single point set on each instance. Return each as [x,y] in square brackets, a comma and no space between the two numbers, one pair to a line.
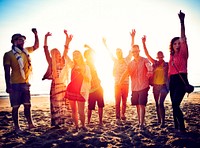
[178,65]
[77,91]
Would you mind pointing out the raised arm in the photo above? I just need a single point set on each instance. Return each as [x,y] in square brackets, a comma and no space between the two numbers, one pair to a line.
[181,16]
[46,51]
[87,46]
[36,43]
[65,53]
[67,42]
[132,33]
[110,53]
[145,49]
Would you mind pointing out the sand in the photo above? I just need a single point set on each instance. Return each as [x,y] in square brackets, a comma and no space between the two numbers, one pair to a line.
[126,134]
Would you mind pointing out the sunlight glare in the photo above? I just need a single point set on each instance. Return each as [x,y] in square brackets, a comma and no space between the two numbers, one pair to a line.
[104,66]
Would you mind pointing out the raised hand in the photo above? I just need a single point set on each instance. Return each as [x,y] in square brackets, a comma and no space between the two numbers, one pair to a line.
[87,46]
[34,30]
[68,37]
[144,39]
[48,34]
[104,42]
[132,33]
[45,38]
[181,16]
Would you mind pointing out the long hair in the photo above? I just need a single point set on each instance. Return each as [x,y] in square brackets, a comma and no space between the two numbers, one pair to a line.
[171,49]
[55,51]
[81,57]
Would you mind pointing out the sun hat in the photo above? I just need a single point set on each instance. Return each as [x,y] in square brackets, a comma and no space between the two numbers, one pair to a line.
[16,36]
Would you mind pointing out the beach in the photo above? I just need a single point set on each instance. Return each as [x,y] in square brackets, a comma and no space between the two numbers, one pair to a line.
[125,134]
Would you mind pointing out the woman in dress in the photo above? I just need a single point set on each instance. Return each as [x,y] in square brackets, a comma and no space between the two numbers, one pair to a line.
[57,72]
[77,91]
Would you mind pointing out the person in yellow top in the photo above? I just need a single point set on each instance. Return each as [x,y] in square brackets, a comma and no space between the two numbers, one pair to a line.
[159,82]
[17,68]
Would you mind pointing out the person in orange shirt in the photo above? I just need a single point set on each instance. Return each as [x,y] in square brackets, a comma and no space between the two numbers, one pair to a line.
[17,80]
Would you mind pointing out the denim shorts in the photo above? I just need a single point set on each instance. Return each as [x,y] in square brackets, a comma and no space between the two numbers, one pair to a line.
[20,94]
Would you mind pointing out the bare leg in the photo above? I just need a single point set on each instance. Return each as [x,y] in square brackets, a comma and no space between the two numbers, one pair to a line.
[89,115]
[100,116]
[81,111]
[27,113]
[138,113]
[158,112]
[142,114]
[73,106]
[15,117]
[162,114]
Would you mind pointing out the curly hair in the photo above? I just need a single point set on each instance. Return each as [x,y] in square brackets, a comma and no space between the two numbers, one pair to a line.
[171,49]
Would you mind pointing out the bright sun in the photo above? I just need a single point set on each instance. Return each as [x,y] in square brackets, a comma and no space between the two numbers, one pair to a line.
[104,66]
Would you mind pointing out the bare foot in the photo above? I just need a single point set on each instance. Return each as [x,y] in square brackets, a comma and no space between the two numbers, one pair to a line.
[31,126]
[84,128]
[118,122]
[123,118]
[100,123]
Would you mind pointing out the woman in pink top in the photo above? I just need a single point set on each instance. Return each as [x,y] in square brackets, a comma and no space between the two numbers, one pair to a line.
[178,65]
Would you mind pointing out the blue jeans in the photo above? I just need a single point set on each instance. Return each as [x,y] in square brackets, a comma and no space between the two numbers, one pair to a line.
[160,92]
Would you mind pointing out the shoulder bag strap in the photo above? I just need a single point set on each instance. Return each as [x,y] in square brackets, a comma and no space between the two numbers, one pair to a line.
[177,71]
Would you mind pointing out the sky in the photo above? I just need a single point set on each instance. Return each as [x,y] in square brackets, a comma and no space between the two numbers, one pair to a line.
[90,20]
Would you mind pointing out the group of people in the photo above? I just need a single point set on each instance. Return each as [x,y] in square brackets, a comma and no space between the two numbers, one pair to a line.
[85,85]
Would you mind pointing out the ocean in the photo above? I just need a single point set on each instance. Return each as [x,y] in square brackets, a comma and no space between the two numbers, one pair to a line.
[39,87]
